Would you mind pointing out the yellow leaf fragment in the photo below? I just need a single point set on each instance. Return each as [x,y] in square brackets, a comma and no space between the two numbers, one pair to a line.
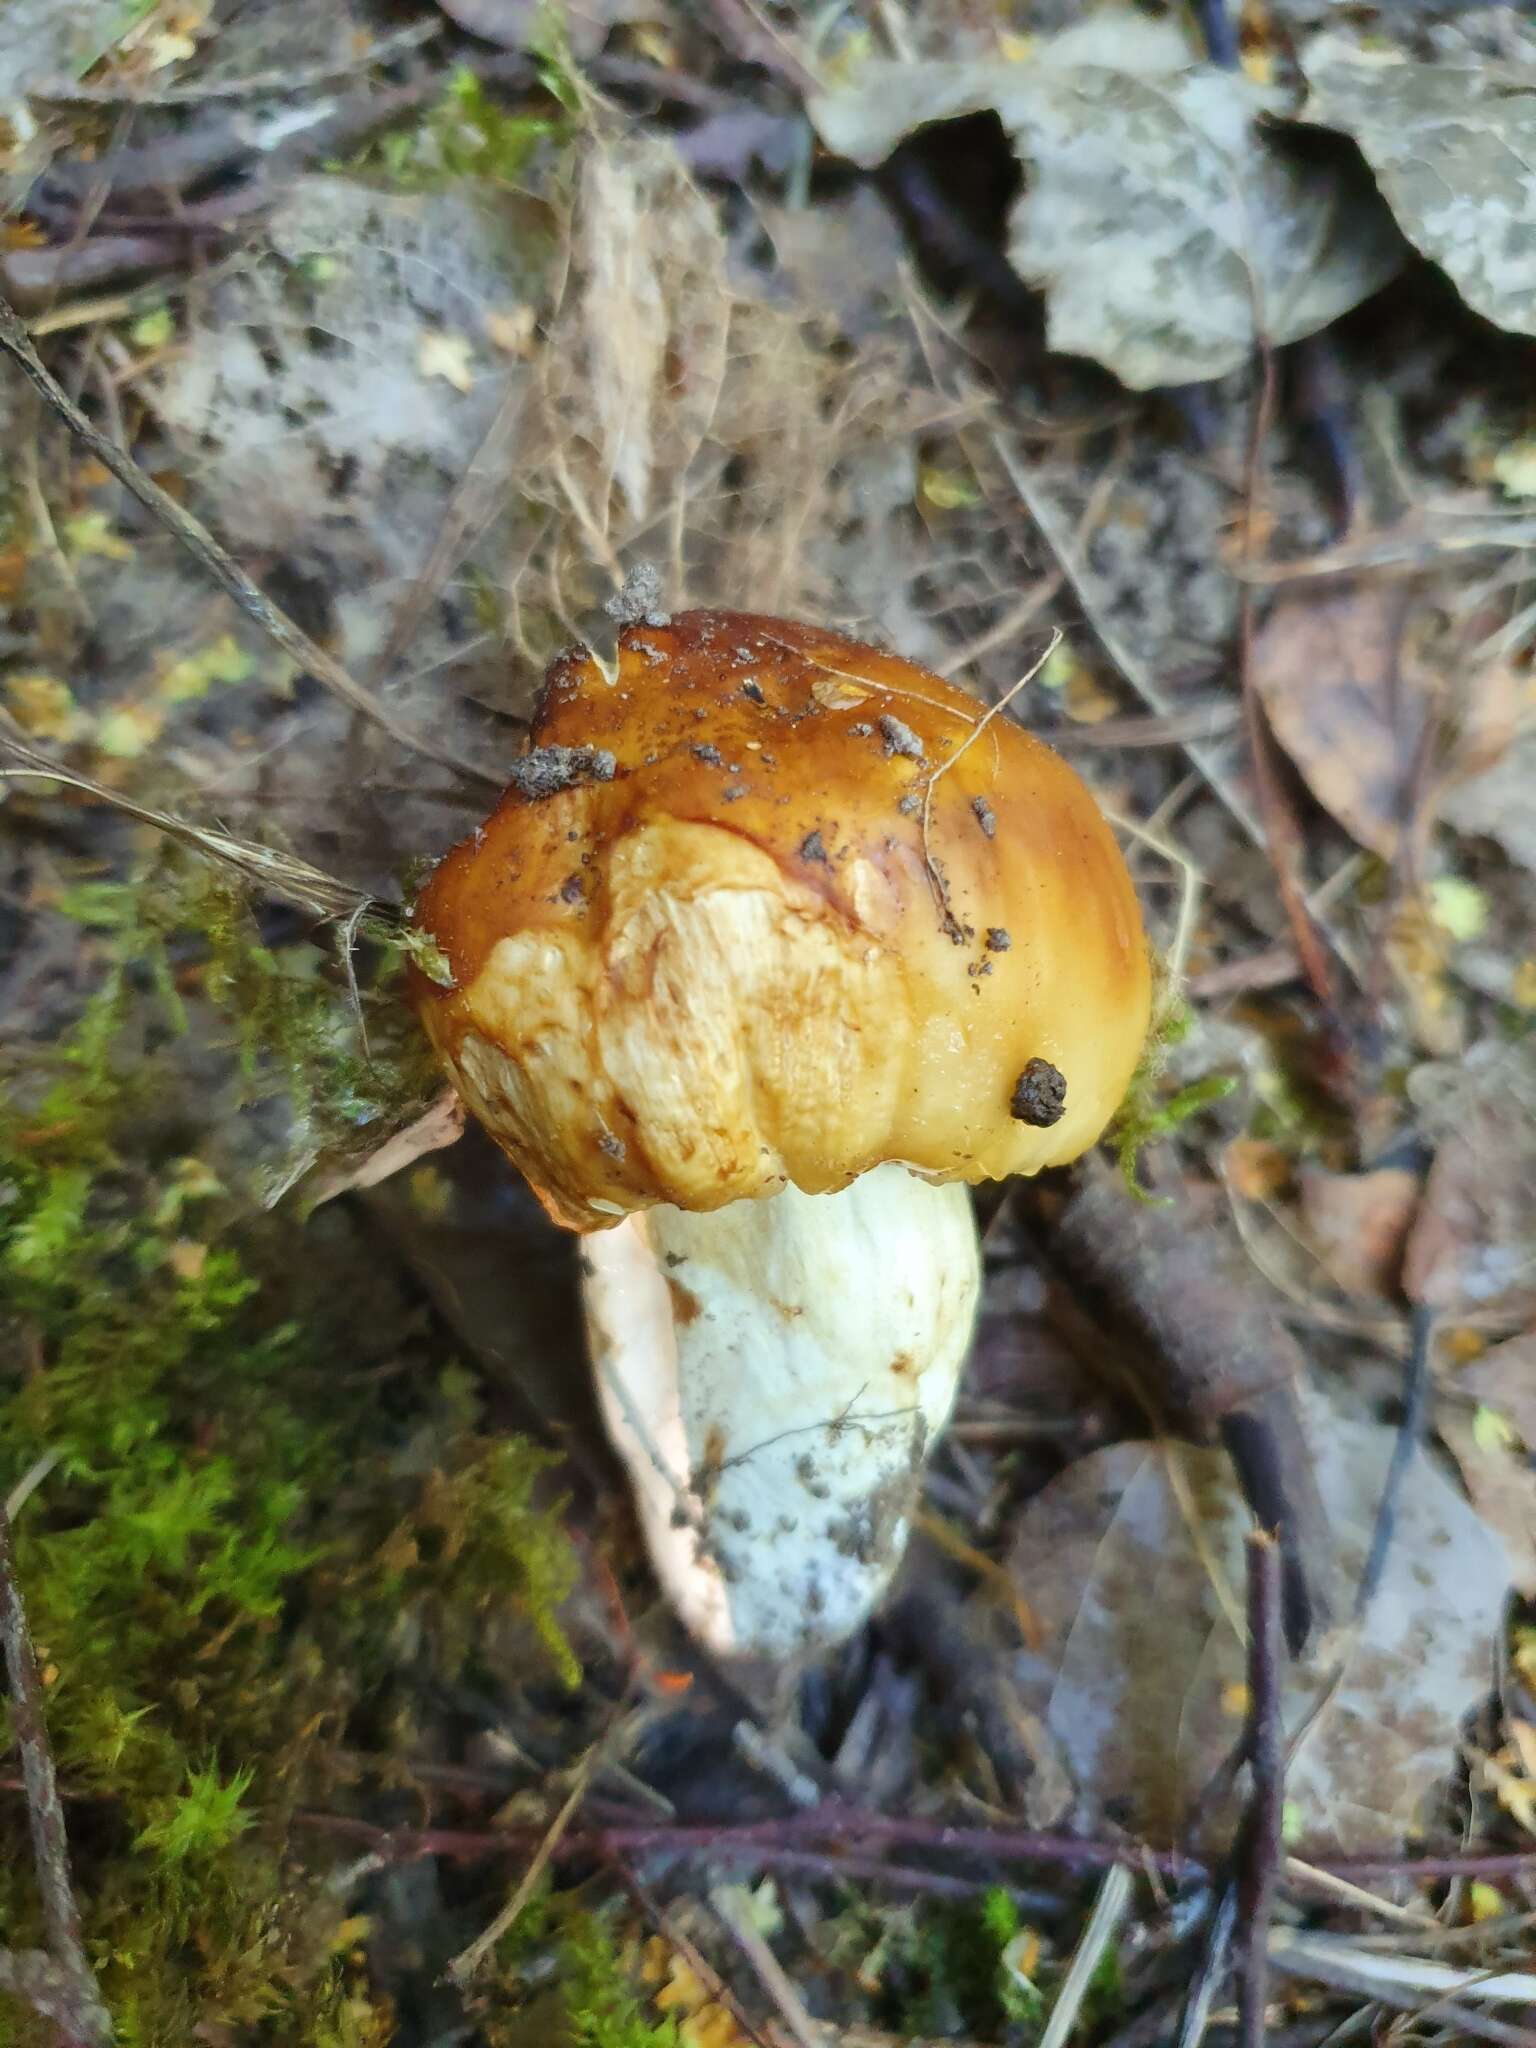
[44,707]
[124,733]
[90,533]
[449,356]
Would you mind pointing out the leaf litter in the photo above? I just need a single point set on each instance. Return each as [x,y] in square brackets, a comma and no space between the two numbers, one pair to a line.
[1110,118]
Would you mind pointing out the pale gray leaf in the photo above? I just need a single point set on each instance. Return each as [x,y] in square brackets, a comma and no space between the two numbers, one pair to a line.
[1164,225]
[1168,230]
[1453,146]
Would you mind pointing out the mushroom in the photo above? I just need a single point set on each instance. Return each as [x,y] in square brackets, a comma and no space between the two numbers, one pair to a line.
[773,944]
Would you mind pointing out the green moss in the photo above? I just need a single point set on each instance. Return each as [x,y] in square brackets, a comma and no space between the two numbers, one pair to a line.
[1150,1111]
[591,2000]
[468,134]
[229,1547]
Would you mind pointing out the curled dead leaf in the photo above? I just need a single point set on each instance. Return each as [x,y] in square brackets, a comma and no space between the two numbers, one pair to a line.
[1132,1559]
[1328,667]
[1358,1225]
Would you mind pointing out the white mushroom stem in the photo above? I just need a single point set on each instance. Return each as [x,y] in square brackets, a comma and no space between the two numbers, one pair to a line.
[773,1375]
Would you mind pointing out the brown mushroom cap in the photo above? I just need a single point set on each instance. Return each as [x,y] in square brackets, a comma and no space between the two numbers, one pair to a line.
[703,946]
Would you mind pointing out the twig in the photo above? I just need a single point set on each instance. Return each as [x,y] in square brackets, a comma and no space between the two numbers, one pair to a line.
[1419,1869]
[66,93]
[1108,1911]
[1407,1981]
[1308,1874]
[746,34]
[74,2000]
[831,1822]
[691,1954]
[1212,1973]
[218,563]
[1259,1841]
[734,1914]
[1417,1380]
[1280,833]
[280,874]
[468,1960]
[936,880]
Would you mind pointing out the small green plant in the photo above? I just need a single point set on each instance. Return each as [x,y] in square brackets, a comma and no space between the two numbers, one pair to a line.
[947,1969]
[1148,1113]
[468,134]
[592,2000]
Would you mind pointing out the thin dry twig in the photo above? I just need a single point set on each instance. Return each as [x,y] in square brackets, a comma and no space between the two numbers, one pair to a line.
[936,880]
[1259,1850]
[1212,1973]
[691,1954]
[61,1984]
[1280,835]
[16,342]
[67,92]
[733,1911]
[468,1960]
[831,1822]
[1417,1381]
[277,874]
[1114,1895]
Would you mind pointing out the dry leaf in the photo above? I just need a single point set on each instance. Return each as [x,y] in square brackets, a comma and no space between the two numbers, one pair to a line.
[1358,1225]
[1327,666]
[1501,1485]
[640,240]
[520,24]
[1144,1656]
[1497,804]
[1453,146]
[435,1128]
[1472,1249]
[1504,1379]
[1158,217]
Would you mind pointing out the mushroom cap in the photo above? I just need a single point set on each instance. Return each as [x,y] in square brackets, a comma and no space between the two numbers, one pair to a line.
[706,946]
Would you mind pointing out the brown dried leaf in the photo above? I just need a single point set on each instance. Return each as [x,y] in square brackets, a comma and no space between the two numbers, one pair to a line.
[1504,1379]
[1496,804]
[1472,1249]
[1501,1485]
[651,317]
[437,1127]
[1326,665]
[1147,1668]
[1358,1225]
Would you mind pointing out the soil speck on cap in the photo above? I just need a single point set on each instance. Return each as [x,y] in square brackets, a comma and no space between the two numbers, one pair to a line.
[811,847]
[1040,1095]
[998,940]
[910,804]
[638,598]
[984,816]
[706,753]
[612,1146]
[548,770]
[898,738]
